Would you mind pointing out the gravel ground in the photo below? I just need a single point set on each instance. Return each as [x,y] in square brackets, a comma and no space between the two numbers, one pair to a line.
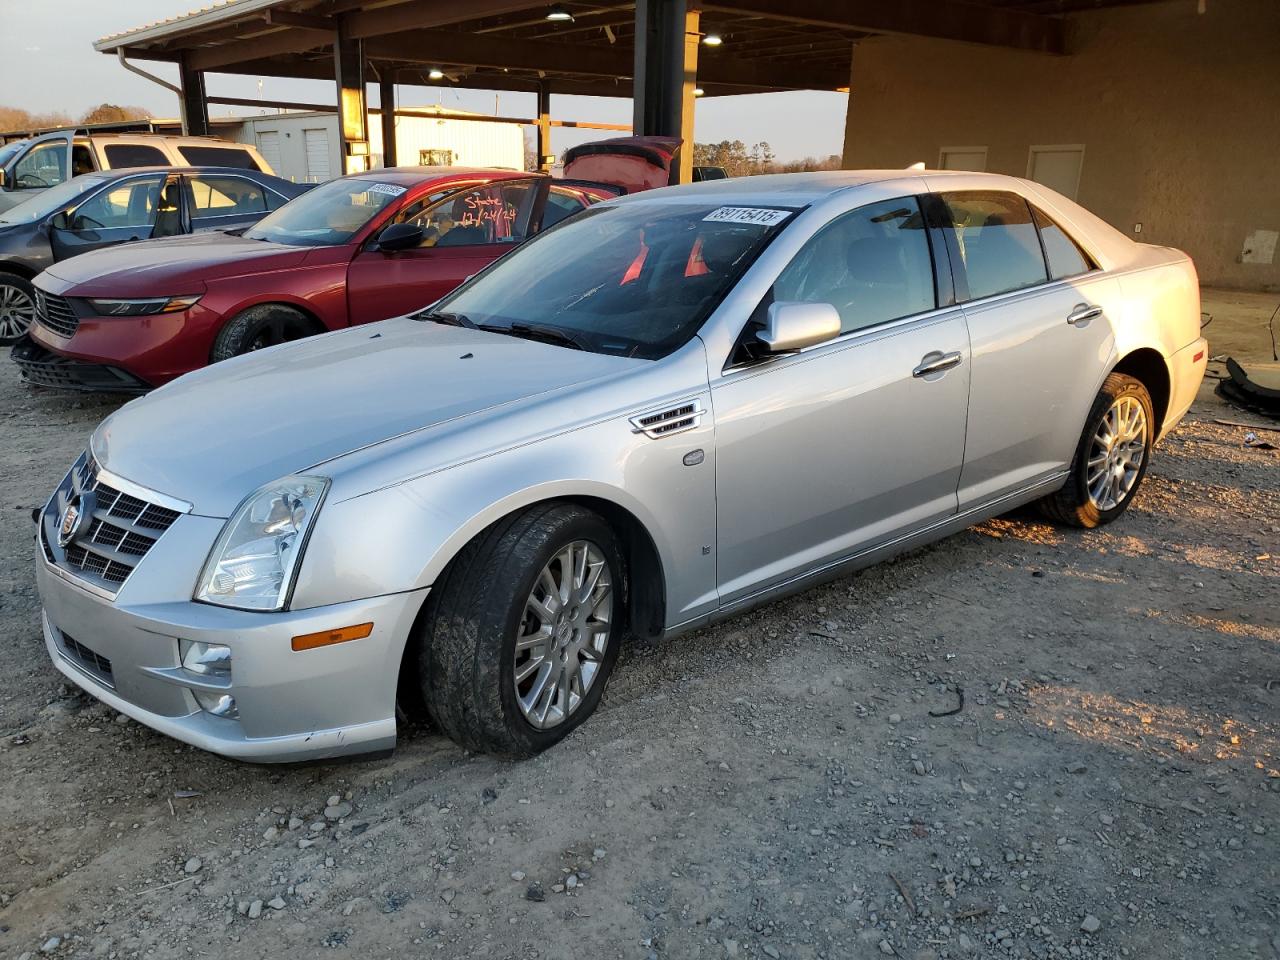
[779,786]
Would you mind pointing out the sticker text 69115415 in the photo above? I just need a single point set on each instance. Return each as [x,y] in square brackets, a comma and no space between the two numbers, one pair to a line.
[757,215]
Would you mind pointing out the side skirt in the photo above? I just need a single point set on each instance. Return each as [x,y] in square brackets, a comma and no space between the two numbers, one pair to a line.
[873,555]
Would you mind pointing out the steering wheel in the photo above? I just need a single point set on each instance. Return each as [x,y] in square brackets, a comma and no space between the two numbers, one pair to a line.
[36,181]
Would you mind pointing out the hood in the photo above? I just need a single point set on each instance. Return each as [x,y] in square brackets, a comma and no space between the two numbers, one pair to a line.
[214,436]
[152,267]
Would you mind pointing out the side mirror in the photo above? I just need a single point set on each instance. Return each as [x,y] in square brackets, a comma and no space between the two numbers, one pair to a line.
[59,221]
[400,236]
[792,326]
[4,180]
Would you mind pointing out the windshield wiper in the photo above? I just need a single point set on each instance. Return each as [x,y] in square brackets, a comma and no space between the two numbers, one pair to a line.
[536,331]
[448,319]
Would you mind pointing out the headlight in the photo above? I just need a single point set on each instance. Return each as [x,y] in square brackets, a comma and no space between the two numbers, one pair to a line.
[252,565]
[143,307]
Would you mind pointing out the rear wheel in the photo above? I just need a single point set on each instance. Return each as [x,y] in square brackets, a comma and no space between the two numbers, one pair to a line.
[259,327]
[522,630]
[1111,458]
[17,307]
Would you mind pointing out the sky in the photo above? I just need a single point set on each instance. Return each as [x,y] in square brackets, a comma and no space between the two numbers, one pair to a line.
[47,63]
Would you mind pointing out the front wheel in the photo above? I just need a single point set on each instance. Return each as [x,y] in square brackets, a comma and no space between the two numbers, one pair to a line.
[17,307]
[258,327]
[522,630]
[1111,458]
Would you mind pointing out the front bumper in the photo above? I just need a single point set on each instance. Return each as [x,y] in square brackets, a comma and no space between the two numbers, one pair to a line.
[44,368]
[315,704]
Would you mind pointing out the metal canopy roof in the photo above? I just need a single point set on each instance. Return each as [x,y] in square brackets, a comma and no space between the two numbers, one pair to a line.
[509,44]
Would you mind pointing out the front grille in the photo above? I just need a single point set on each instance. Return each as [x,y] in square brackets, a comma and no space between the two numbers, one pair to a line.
[55,313]
[89,661]
[122,530]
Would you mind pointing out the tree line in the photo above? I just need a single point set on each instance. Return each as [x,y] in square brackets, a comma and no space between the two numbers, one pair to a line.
[16,118]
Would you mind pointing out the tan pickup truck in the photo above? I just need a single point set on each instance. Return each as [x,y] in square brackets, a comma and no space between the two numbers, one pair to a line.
[33,165]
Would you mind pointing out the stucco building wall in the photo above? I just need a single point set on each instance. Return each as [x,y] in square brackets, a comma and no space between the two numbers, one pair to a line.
[1178,112]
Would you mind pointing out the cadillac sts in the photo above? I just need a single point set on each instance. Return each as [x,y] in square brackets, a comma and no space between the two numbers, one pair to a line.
[658,413]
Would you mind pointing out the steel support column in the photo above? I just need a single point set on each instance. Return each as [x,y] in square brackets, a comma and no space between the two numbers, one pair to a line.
[387,98]
[546,159]
[666,65]
[194,103]
[353,114]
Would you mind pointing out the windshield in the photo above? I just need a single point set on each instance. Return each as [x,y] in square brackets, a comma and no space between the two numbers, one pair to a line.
[634,280]
[51,200]
[329,214]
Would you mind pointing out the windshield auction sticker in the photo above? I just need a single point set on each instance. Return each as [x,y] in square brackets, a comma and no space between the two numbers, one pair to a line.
[388,188]
[757,215]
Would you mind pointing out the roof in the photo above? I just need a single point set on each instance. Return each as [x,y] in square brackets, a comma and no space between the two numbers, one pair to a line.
[411,176]
[509,44]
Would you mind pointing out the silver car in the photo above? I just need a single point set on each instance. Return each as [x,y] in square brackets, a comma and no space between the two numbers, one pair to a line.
[661,412]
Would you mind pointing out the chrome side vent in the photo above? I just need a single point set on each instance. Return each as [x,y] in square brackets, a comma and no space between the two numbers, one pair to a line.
[663,423]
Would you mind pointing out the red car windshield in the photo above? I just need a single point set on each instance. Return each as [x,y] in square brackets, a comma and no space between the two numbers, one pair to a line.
[331,214]
[634,279]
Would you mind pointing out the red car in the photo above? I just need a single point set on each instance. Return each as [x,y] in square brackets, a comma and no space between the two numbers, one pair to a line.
[354,250]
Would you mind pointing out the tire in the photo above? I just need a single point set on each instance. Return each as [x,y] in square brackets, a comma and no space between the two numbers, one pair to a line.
[1076,504]
[262,326]
[17,307]
[466,644]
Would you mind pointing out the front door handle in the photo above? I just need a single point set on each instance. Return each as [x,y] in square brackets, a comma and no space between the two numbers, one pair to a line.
[938,363]
[1082,314]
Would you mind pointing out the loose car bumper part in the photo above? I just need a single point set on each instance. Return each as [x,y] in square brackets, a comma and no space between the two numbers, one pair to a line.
[127,640]
[44,368]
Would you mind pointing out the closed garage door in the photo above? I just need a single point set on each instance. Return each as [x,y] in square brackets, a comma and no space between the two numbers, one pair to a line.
[317,144]
[269,147]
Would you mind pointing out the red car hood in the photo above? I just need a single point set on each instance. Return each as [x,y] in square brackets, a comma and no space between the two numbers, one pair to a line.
[169,266]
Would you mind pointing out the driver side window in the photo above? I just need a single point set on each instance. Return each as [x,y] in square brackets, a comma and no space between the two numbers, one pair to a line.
[491,213]
[45,165]
[872,264]
[130,204]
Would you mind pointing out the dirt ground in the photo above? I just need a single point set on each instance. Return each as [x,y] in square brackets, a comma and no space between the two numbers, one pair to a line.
[777,786]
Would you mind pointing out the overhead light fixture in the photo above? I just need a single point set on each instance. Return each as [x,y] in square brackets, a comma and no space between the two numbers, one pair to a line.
[712,40]
[558,13]
[698,91]
[436,74]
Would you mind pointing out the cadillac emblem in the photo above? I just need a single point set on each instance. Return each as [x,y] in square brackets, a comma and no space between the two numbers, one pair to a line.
[74,518]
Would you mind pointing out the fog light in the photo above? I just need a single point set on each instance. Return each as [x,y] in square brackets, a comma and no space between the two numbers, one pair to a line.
[211,659]
[218,704]
[213,662]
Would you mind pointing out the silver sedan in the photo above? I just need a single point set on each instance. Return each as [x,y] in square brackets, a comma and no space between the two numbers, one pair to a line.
[660,413]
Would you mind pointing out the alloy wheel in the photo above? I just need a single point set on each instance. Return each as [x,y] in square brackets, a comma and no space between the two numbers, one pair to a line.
[17,311]
[1118,451]
[564,634]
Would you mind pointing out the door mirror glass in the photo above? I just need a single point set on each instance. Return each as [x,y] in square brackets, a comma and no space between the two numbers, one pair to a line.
[401,236]
[792,326]
[59,221]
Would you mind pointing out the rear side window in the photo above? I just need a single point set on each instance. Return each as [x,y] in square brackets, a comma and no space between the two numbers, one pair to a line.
[997,241]
[1066,257]
[134,155]
[202,156]
[214,196]
[872,264]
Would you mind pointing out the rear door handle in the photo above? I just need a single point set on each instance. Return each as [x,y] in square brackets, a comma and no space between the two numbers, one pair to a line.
[1082,314]
[939,363]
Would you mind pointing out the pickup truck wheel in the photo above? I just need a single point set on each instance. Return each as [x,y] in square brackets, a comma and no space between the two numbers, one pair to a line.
[259,327]
[17,307]
[522,630]
[1111,458]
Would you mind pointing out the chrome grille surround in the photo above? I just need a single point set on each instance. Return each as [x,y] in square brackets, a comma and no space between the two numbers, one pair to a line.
[56,313]
[121,531]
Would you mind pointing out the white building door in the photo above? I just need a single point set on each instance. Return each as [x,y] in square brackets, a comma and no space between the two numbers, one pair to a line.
[269,147]
[963,158]
[316,142]
[1057,167]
